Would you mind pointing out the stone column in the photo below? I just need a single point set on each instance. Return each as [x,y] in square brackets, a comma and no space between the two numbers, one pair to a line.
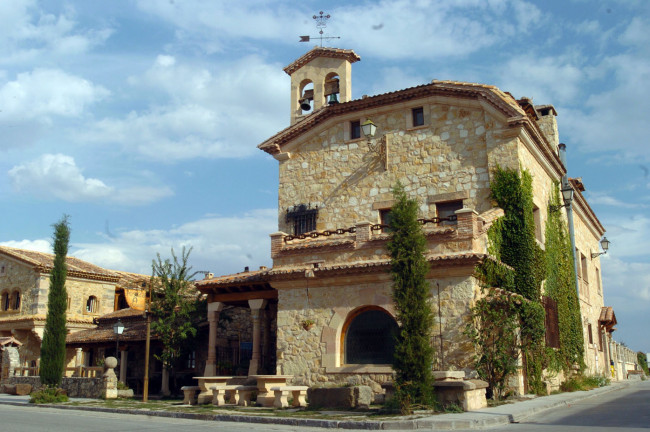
[214,310]
[123,356]
[78,361]
[255,306]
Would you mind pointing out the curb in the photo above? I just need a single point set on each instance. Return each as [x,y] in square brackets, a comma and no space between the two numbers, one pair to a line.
[448,422]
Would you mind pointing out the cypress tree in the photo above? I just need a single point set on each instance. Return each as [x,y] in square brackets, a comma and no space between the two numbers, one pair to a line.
[413,351]
[53,346]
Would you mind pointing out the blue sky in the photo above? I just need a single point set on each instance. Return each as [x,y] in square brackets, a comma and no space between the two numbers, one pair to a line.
[140,119]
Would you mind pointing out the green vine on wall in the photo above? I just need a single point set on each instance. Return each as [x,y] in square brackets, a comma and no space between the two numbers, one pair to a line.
[561,286]
[512,241]
[521,267]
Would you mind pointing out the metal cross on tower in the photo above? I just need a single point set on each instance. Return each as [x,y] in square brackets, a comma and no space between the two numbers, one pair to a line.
[321,23]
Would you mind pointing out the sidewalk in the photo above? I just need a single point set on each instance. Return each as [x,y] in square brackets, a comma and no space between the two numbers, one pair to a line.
[487,417]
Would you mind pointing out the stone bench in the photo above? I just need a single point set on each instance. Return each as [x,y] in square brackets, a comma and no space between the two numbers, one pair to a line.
[235,394]
[189,394]
[299,394]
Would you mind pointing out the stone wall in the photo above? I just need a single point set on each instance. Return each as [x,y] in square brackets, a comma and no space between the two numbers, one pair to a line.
[75,387]
[19,277]
[315,356]
[446,155]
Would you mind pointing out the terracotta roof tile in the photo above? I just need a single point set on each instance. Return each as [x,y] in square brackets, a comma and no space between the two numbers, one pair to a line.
[243,277]
[45,261]
[607,315]
[134,331]
[345,54]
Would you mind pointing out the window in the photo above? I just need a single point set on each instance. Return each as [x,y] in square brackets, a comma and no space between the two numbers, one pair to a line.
[2,270]
[370,337]
[585,269]
[355,129]
[577,256]
[92,305]
[551,322]
[598,283]
[590,335]
[600,339]
[418,116]
[68,303]
[5,301]
[448,210]
[385,218]
[302,218]
[15,297]
[191,360]
[538,224]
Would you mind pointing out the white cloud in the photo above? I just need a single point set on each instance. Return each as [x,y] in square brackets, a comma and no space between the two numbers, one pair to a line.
[220,244]
[28,32]
[608,200]
[39,245]
[58,176]
[220,25]
[629,234]
[47,92]
[205,115]
[554,79]
[616,119]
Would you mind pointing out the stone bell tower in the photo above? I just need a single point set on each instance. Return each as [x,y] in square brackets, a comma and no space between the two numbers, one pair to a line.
[320,77]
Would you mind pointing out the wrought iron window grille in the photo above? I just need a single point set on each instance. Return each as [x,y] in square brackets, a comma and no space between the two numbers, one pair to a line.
[302,218]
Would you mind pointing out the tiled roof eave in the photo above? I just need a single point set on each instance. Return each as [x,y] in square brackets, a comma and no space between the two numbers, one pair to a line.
[316,52]
[372,266]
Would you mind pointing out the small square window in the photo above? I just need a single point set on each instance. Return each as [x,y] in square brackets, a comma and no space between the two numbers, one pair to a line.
[448,210]
[355,129]
[418,116]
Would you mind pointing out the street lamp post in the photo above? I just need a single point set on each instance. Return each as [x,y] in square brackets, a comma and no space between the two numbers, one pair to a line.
[118,328]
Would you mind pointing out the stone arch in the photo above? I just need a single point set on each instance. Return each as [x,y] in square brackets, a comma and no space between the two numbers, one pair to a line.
[331,334]
[362,345]
[306,90]
[92,305]
[331,86]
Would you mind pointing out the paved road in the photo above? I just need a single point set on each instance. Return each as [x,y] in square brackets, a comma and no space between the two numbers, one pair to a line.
[626,409]
[35,419]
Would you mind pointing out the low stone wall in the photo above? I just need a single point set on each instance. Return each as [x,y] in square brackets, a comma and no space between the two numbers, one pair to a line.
[74,386]
[340,397]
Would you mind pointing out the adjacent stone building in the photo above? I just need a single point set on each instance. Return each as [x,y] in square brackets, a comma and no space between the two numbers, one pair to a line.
[24,286]
[328,295]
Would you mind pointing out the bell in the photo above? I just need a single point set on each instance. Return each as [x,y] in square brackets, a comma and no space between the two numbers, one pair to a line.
[333,99]
[305,105]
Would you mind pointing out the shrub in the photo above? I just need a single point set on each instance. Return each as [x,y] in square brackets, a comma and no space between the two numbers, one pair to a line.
[582,382]
[48,395]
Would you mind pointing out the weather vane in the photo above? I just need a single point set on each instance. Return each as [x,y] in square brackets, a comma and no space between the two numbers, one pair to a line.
[321,23]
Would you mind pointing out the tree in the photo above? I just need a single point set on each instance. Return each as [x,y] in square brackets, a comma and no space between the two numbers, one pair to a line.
[174,307]
[53,346]
[413,350]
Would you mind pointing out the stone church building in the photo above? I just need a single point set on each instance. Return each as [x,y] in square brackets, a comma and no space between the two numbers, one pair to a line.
[323,313]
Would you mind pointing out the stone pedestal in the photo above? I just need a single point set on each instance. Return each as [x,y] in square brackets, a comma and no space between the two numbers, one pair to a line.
[109,378]
[452,387]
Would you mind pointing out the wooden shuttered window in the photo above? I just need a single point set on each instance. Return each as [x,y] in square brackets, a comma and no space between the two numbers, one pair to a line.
[551,322]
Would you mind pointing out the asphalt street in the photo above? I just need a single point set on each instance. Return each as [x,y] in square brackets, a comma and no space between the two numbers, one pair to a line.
[626,408]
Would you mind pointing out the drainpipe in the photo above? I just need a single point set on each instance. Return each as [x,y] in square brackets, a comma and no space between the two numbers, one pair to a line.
[569,214]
